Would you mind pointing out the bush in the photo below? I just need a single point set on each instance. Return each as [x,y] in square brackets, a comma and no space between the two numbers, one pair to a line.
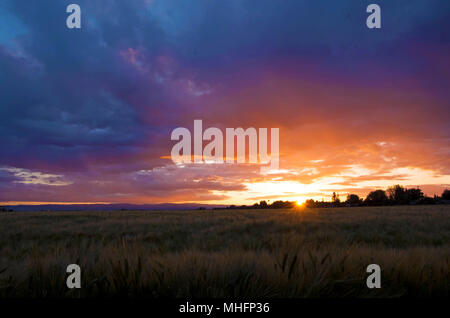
[426,200]
[377,197]
[446,194]
[353,199]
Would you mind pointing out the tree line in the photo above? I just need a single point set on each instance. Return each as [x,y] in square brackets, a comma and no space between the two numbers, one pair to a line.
[394,195]
[263,205]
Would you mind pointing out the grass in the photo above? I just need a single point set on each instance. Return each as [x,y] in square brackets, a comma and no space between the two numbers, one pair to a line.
[237,253]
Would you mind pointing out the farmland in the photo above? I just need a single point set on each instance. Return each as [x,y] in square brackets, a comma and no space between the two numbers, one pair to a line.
[227,253]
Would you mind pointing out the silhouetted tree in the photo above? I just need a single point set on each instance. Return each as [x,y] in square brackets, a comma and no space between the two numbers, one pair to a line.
[310,203]
[282,205]
[263,204]
[426,200]
[446,194]
[377,197]
[353,199]
[397,194]
[414,194]
[400,195]
[335,198]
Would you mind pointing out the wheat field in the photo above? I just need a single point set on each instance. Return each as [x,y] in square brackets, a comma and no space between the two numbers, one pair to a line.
[227,253]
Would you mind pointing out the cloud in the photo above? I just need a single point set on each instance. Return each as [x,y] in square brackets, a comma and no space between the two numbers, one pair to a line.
[91,110]
[25,176]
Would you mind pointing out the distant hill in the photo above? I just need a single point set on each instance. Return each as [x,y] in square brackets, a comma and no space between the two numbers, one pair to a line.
[111,207]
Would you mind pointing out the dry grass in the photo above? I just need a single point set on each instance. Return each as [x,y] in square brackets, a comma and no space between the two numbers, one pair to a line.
[242,253]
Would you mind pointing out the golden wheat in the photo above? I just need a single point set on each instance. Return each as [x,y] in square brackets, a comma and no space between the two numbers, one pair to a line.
[232,253]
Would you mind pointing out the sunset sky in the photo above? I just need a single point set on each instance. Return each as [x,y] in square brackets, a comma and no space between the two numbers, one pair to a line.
[86,115]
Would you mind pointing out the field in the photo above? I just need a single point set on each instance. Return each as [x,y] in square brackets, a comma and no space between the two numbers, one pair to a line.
[228,253]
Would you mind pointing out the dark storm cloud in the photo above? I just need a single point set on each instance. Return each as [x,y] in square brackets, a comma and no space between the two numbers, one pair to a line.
[65,94]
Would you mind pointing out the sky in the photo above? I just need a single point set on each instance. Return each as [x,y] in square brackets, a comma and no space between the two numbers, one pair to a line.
[86,114]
